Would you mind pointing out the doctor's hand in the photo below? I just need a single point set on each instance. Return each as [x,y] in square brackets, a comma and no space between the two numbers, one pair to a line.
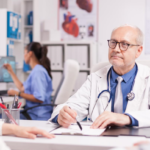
[66,117]
[110,118]
[8,67]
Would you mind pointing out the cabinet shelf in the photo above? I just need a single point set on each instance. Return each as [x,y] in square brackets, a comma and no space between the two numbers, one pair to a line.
[59,69]
[15,40]
[88,69]
[28,0]
[28,26]
[66,42]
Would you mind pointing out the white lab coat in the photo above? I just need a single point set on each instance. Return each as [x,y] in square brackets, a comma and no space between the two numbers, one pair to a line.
[84,99]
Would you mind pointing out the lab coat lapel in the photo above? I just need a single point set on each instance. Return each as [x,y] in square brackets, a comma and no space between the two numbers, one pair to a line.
[138,90]
[104,98]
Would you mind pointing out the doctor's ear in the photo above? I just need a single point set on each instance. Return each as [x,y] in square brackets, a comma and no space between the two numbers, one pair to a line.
[139,51]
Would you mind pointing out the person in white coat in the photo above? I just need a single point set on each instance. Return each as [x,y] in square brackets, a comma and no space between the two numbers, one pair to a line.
[127,82]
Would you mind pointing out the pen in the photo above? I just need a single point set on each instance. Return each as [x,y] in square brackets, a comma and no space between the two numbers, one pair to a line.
[15,103]
[7,118]
[8,114]
[2,100]
[19,105]
[79,125]
[2,106]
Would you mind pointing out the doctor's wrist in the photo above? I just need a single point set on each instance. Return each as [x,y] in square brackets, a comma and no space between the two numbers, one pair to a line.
[128,120]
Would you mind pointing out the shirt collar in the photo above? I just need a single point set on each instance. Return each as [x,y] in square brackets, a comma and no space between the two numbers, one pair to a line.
[126,76]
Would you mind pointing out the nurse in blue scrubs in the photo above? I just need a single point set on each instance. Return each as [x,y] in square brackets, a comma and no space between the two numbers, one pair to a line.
[37,88]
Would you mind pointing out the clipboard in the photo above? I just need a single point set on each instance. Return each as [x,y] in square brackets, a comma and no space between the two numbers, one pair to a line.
[74,130]
[127,131]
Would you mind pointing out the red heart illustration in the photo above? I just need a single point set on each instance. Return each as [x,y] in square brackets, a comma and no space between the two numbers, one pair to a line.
[85,4]
[71,27]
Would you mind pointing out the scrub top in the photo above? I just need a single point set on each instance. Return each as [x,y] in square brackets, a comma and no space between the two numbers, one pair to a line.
[39,84]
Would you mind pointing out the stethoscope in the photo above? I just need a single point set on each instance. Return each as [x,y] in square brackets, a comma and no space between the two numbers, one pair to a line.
[130,96]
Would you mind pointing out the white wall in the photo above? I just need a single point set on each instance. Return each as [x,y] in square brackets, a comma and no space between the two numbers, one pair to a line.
[49,11]
[113,13]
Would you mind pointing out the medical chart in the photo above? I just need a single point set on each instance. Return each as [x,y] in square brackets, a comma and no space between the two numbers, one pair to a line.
[147,27]
[74,130]
[78,19]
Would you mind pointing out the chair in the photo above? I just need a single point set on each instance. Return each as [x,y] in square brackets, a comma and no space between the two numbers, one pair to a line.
[99,66]
[67,84]
[144,62]
[65,88]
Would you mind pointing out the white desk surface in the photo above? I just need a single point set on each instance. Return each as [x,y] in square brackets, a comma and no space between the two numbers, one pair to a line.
[67,142]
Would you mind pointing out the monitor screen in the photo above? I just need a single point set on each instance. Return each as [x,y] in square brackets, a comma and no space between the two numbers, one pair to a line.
[4,75]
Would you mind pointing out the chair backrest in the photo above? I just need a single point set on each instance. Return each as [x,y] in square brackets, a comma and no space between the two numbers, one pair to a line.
[103,64]
[99,66]
[64,91]
[144,62]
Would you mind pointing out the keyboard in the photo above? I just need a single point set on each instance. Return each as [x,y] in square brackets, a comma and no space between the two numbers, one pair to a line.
[3,92]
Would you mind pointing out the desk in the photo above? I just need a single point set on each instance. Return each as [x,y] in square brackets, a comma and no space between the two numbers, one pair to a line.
[124,131]
[67,142]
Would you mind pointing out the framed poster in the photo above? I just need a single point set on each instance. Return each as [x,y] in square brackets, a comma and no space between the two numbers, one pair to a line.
[147,28]
[78,19]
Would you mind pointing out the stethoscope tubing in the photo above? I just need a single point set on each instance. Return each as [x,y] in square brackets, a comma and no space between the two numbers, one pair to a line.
[108,76]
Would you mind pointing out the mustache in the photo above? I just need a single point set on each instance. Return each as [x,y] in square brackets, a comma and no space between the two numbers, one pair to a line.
[116,55]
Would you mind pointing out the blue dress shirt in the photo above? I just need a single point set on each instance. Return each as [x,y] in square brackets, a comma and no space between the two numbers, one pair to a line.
[126,86]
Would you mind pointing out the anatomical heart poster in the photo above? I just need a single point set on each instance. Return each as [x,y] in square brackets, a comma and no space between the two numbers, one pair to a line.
[78,19]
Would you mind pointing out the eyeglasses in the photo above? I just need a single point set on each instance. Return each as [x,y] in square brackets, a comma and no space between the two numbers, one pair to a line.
[122,45]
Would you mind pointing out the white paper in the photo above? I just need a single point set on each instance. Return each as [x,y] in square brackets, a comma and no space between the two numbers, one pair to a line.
[74,129]
[84,123]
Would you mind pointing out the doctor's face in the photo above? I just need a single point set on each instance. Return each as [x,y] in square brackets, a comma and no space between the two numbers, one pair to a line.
[123,59]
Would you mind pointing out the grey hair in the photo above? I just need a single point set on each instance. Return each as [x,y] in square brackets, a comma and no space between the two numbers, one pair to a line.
[140,36]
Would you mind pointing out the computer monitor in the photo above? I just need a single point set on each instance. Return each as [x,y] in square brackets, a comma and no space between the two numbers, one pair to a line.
[4,75]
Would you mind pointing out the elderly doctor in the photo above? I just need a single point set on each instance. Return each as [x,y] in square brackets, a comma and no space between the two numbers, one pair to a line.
[127,81]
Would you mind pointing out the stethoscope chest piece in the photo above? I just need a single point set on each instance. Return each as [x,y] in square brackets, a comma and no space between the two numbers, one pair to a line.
[131,96]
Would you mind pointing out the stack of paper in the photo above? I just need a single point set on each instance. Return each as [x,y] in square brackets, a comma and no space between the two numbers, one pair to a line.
[74,130]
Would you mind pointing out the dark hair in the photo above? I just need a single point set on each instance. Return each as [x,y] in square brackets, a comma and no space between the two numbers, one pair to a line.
[41,54]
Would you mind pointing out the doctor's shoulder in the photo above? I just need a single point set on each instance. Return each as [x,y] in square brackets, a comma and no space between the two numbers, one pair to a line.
[98,75]
[143,70]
